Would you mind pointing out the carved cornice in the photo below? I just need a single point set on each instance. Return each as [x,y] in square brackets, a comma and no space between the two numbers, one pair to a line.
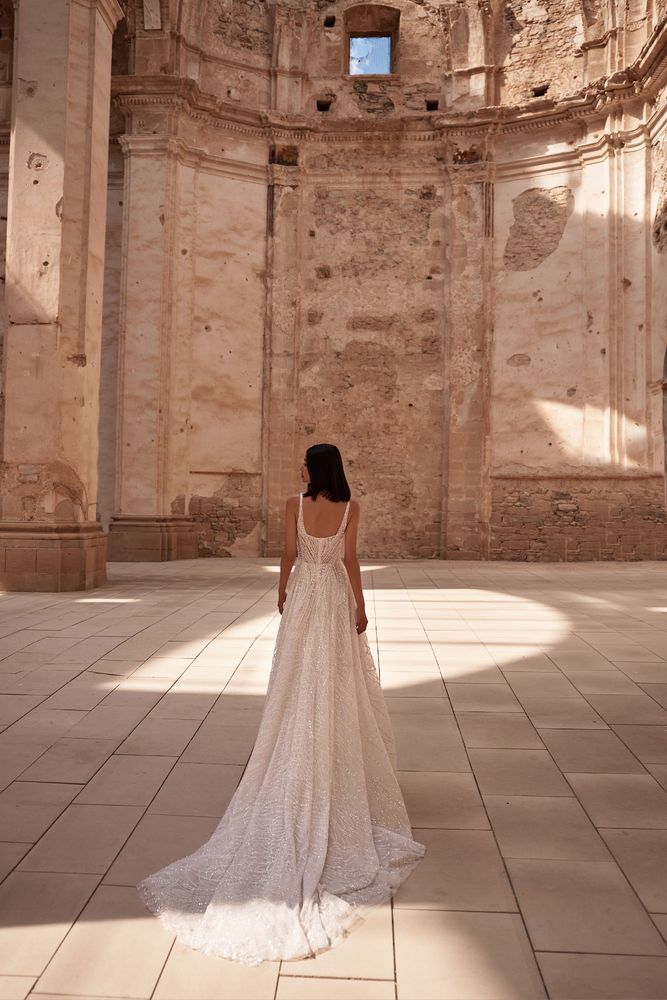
[111,10]
[640,82]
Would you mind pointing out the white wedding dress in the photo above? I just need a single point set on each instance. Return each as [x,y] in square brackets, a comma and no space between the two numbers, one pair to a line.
[317,828]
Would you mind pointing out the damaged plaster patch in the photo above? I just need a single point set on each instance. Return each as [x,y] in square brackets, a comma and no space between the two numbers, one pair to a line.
[540,217]
[244,24]
[660,225]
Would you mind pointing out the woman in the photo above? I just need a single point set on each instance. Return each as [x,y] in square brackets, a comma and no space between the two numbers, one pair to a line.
[317,828]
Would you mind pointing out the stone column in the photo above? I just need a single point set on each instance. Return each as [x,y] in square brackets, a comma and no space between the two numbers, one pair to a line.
[149,523]
[469,266]
[281,461]
[49,536]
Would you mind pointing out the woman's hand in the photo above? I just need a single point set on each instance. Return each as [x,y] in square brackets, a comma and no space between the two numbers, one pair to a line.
[362,621]
[282,595]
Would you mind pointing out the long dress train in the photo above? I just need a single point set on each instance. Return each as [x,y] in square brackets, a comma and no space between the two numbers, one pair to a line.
[317,828]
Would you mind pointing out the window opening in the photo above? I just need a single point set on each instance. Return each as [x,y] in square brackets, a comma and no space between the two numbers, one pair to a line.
[370,55]
[330,21]
[432,105]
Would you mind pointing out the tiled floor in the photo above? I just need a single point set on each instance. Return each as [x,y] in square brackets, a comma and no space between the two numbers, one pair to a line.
[530,709]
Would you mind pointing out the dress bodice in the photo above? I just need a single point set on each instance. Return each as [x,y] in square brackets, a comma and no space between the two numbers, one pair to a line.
[313,549]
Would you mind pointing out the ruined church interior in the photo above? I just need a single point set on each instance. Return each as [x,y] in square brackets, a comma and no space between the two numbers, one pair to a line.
[434,234]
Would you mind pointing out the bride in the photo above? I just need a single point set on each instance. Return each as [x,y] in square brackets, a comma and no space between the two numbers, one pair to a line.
[317,829]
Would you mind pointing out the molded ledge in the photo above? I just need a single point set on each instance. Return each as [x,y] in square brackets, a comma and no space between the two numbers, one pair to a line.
[44,557]
[151,538]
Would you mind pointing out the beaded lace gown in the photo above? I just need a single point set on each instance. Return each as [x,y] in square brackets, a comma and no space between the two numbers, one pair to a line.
[317,828]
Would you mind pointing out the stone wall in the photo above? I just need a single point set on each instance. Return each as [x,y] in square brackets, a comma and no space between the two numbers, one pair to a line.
[448,271]
[571,519]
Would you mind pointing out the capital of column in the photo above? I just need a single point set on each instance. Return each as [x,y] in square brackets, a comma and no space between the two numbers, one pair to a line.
[111,10]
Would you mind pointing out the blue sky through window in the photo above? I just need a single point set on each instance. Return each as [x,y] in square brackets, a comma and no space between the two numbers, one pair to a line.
[370,54]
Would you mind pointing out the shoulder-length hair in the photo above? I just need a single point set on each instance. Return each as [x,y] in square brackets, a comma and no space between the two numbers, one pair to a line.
[327,476]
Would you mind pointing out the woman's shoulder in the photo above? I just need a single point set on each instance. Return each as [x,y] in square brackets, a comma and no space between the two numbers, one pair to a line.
[292,501]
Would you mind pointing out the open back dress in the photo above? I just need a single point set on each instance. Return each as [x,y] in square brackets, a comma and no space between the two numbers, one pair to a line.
[317,828]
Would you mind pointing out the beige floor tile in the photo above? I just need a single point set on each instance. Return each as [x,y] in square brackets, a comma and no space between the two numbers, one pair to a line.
[14,706]
[429,743]
[250,681]
[529,684]
[602,682]
[590,751]
[660,921]
[412,685]
[482,698]
[223,741]
[629,709]
[300,988]
[85,838]
[153,737]
[191,975]
[543,827]
[28,808]
[580,659]
[659,772]
[486,730]
[604,977]
[645,673]
[126,780]
[648,743]
[107,721]
[115,948]
[45,680]
[458,671]
[534,662]
[442,800]
[156,841]
[582,906]
[16,987]
[642,854]
[562,713]
[367,952]
[163,666]
[70,760]
[461,870]
[10,855]
[38,909]
[517,772]
[634,801]
[85,692]
[656,691]
[464,956]
[197,790]
[418,706]
[183,703]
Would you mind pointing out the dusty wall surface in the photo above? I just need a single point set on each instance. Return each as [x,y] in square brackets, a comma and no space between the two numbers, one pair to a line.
[451,272]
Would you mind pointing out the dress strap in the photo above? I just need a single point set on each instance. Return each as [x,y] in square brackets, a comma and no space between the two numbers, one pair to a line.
[344,521]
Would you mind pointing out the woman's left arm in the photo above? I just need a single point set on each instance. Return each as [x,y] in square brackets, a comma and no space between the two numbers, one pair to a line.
[289,550]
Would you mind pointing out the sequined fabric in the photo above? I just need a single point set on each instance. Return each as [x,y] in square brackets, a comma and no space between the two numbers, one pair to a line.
[317,829]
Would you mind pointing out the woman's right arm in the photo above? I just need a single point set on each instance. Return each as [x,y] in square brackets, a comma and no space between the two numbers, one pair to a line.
[352,566]
[289,549]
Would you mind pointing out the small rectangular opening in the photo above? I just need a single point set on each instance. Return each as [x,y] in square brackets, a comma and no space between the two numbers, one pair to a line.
[330,21]
[541,90]
[432,105]
[370,55]
[323,103]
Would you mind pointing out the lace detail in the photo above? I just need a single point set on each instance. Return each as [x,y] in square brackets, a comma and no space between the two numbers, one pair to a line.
[317,829]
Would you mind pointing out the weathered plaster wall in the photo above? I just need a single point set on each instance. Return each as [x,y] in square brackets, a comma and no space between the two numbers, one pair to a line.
[371,333]
[465,294]
[225,424]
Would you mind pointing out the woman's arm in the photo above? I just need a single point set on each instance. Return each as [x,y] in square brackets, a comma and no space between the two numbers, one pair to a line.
[352,565]
[289,550]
